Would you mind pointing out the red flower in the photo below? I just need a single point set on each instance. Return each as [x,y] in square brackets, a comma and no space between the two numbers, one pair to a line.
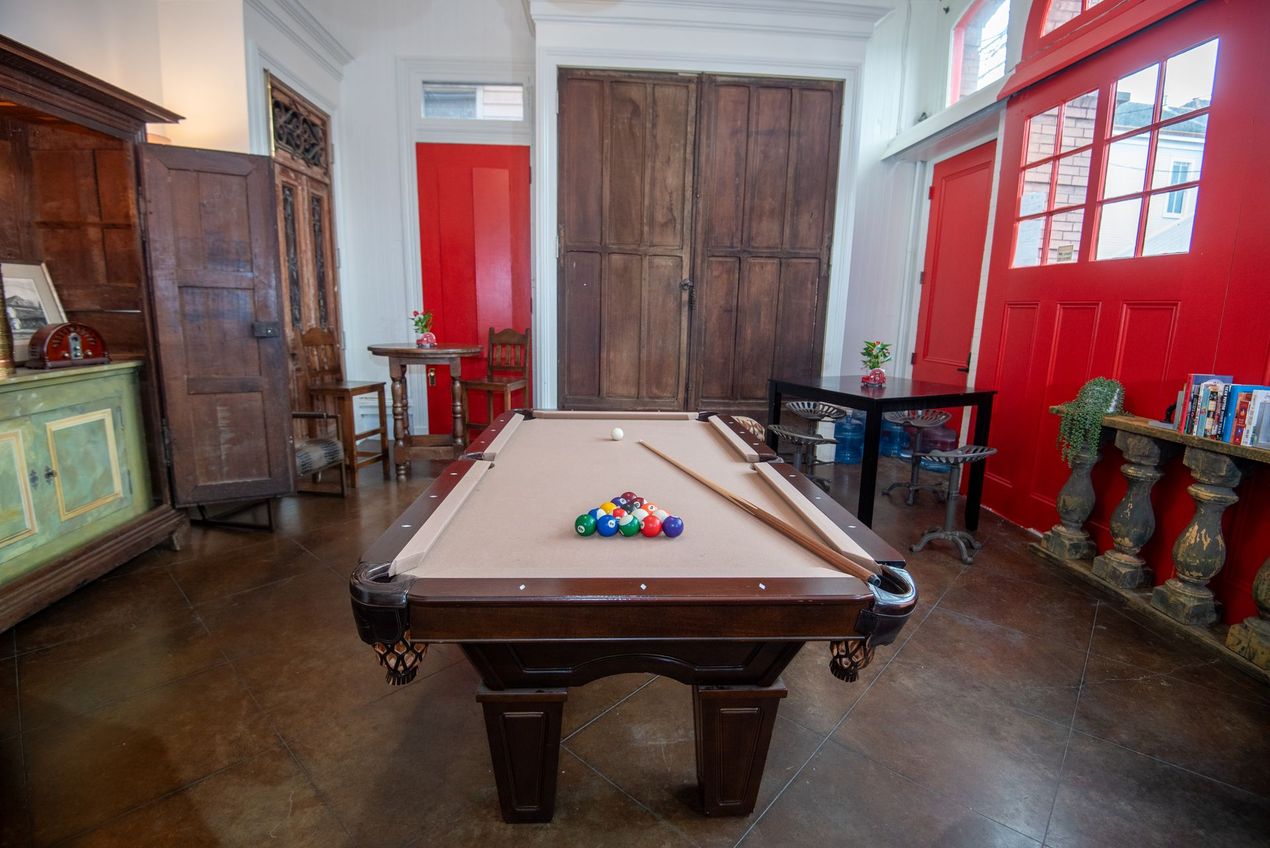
[416,312]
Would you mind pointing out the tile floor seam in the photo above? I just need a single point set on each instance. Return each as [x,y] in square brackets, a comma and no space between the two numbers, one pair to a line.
[656,816]
[149,801]
[1208,777]
[608,709]
[268,716]
[42,731]
[1071,728]
[827,738]
[271,584]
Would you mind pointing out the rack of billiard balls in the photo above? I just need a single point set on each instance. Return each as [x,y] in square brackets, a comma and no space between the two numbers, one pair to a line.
[628,515]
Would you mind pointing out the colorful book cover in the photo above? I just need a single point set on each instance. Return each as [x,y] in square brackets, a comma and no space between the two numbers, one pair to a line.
[1239,392]
[1236,415]
[1260,427]
[1187,417]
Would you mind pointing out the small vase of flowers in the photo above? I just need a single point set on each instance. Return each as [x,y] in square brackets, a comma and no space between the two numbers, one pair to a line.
[422,322]
[873,357]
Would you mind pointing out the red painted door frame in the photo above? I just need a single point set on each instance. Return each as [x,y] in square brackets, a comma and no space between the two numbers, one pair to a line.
[474,253]
[1146,321]
[960,195]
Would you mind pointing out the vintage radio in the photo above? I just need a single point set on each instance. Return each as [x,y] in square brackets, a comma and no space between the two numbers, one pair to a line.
[66,345]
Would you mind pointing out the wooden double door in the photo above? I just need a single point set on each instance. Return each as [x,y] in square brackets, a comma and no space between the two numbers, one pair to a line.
[696,216]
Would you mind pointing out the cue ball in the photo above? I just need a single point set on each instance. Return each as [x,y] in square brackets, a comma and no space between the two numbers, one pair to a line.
[617,434]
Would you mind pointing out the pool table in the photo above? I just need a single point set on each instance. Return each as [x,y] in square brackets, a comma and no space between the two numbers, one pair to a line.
[488,558]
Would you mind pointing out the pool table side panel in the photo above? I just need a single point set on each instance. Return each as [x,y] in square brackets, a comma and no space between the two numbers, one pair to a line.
[874,545]
[547,664]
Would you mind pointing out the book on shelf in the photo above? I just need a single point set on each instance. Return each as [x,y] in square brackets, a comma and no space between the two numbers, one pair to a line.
[1214,406]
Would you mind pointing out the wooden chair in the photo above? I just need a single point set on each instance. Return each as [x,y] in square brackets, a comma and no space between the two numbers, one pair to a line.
[324,370]
[507,372]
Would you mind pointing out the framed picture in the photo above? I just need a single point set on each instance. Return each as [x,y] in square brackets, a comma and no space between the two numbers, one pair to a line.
[30,302]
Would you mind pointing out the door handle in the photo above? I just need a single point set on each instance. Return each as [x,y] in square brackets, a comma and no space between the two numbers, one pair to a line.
[691,288]
[966,370]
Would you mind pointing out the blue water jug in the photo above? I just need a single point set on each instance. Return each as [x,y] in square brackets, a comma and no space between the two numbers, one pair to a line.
[893,438]
[849,434]
[936,438]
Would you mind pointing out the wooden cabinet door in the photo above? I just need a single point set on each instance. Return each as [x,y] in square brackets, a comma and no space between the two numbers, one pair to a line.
[626,177]
[213,255]
[766,176]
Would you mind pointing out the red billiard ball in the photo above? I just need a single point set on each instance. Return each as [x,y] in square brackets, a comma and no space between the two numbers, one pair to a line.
[629,495]
[618,513]
[652,526]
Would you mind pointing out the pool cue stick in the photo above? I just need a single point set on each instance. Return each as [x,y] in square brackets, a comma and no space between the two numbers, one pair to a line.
[842,561]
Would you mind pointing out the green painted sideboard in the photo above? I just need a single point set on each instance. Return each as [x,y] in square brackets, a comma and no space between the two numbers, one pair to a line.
[75,489]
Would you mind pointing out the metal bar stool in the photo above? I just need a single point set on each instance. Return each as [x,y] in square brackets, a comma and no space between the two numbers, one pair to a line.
[965,542]
[804,444]
[914,422]
[816,412]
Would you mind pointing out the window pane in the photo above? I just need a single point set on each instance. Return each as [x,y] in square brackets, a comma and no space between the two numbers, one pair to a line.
[1065,228]
[1188,79]
[1135,100]
[1060,12]
[1027,243]
[1170,220]
[1078,121]
[1179,152]
[1118,229]
[1041,130]
[474,102]
[1036,189]
[1126,165]
[1072,180]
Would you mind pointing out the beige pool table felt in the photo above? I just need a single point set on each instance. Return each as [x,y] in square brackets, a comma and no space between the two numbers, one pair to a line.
[513,514]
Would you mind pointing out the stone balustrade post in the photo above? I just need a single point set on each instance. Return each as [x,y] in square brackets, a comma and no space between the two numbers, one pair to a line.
[1068,540]
[1133,521]
[1251,637]
[1200,552]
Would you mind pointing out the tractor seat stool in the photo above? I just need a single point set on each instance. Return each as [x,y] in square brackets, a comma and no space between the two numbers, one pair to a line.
[805,445]
[965,542]
[816,412]
[914,421]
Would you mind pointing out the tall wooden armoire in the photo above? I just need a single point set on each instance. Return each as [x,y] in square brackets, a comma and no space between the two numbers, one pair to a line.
[171,253]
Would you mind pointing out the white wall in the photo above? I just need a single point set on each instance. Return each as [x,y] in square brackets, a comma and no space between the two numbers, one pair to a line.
[204,73]
[186,55]
[374,219]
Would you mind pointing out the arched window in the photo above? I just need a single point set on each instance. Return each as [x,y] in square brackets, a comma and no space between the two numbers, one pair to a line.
[978,47]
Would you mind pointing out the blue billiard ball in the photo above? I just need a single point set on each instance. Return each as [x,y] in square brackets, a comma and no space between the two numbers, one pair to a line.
[606,525]
[672,526]
[597,513]
[620,502]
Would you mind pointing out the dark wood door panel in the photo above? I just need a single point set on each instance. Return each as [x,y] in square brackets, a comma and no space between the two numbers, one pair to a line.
[768,156]
[212,249]
[626,177]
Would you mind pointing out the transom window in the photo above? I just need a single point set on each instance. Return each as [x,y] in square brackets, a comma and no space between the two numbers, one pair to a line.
[978,48]
[1151,154]
[473,101]
[1062,11]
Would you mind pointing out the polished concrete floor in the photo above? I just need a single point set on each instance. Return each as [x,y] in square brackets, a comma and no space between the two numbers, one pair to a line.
[220,696]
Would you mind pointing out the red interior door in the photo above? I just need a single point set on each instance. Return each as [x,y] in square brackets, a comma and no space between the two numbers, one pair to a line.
[474,247]
[961,192]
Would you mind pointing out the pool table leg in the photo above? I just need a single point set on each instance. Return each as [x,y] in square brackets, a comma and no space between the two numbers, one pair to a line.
[523,726]
[734,728]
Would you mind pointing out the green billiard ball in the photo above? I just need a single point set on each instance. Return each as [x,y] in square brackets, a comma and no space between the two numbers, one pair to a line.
[629,525]
[584,524]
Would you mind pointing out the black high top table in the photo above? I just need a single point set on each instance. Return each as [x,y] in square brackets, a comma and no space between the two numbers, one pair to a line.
[897,395]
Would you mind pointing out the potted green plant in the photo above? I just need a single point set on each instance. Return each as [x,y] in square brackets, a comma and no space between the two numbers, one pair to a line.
[423,327]
[873,357]
[1080,426]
